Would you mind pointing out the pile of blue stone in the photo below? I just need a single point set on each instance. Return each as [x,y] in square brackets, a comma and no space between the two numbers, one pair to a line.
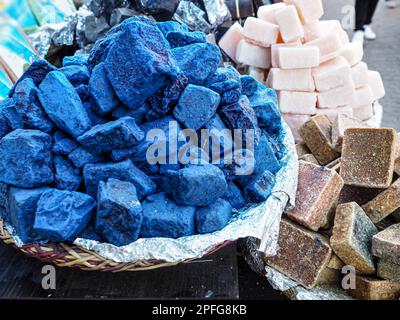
[73,148]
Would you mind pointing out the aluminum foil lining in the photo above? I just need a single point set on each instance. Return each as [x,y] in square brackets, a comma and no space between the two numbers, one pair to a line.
[187,12]
[217,12]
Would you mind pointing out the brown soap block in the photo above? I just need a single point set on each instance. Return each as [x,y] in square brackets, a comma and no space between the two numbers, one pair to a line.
[388,270]
[317,191]
[370,288]
[359,195]
[302,149]
[329,276]
[302,254]
[384,203]
[316,134]
[397,166]
[330,217]
[336,263]
[351,237]
[368,157]
[386,244]
[309,158]
[341,123]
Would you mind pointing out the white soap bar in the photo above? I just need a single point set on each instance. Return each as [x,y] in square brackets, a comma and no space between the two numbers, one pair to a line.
[291,80]
[253,55]
[312,31]
[274,51]
[337,97]
[295,121]
[289,24]
[329,46]
[363,113]
[334,26]
[257,73]
[297,102]
[298,57]
[353,52]
[230,40]
[333,113]
[267,12]
[260,32]
[364,96]
[309,10]
[359,73]
[332,74]
[376,84]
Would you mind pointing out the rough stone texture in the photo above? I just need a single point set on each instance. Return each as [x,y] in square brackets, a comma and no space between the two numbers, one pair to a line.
[62,104]
[388,270]
[249,85]
[80,156]
[171,26]
[317,190]
[351,237]
[12,117]
[386,244]
[118,134]
[4,207]
[234,196]
[397,166]
[67,177]
[181,39]
[162,217]
[62,144]
[384,203]
[260,187]
[339,126]
[76,74]
[302,254]
[62,215]
[316,134]
[119,212]
[26,160]
[213,217]
[370,288]
[368,156]
[77,60]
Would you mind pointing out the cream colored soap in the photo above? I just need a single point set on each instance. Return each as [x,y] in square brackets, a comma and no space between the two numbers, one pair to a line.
[289,24]
[274,51]
[253,55]
[297,102]
[359,74]
[363,113]
[230,40]
[291,80]
[334,26]
[329,46]
[267,12]
[312,31]
[376,84]
[364,96]
[353,52]
[295,121]
[340,96]
[309,10]
[298,57]
[332,74]
[260,32]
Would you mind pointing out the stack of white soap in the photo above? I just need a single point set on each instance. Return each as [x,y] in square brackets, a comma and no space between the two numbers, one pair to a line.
[310,63]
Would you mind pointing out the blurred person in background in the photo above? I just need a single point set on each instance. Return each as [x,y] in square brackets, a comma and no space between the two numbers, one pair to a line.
[365,10]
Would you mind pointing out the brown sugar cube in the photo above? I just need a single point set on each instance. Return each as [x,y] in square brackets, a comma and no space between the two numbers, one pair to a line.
[359,195]
[384,203]
[317,191]
[397,166]
[388,270]
[370,288]
[309,158]
[316,134]
[341,123]
[368,157]
[302,254]
[302,149]
[386,244]
[351,237]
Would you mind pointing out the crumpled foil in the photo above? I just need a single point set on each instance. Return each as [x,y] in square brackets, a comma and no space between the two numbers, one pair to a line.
[217,12]
[187,12]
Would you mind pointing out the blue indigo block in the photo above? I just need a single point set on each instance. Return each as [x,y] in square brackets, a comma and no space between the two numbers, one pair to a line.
[77,75]
[67,177]
[23,204]
[196,106]
[219,137]
[234,196]
[181,39]
[4,207]
[4,126]
[264,155]
[26,160]
[119,212]
[196,185]
[139,114]
[213,217]
[94,118]
[90,233]
[171,26]
[223,74]
[83,92]
[100,50]
[62,144]
[80,157]
[101,91]
[147,63]
[10,114]
[37,71]
[121,133]
[260,187]
[230,91]
[63,105]
[62,215]
[124,170]
[28,107]
[77,60]
[249,85]
[198,61]
[164,218]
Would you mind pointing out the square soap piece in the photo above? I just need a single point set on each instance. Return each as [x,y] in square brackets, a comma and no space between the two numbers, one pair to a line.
[329,46]
[267,12]
[298,57]
[376,84]
[260,32]
[297,102]
[368,157]
[309,10]
[253,55]
[231,39]
[291,80]
[371,288]
[359,74]
[386,244]
[332,74]
[353,52]
[337,97]
[275,51]
[289,24]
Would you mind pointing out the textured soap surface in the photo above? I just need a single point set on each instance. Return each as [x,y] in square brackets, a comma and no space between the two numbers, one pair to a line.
[386,244]
[260,32]
[371,288]
[388,270]
[341,123]
[297,102]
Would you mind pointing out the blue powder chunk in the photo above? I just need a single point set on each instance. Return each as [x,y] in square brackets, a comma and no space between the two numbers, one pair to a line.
[100,50]
[164,218]
[234,196]
[230,91]
[181,39]
[62,144]
[37,71]
[23,204]
[198,61]
[77,75]
[63,105]
[26,160]
[4,207]
[101,91]
[121,133]
[90,233]
[94,118]
[219,136]
[10,114]
[147,66]
[119,212]
[260,187]
[139,114]
[223,74]
[28,107]
[196,106]
[67,177]
[4,126]
[171,26]
[80,157]
[213,217]
[124,170]
[77,60]
[196,185]
[83,92]
[62,215]
[249,85]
